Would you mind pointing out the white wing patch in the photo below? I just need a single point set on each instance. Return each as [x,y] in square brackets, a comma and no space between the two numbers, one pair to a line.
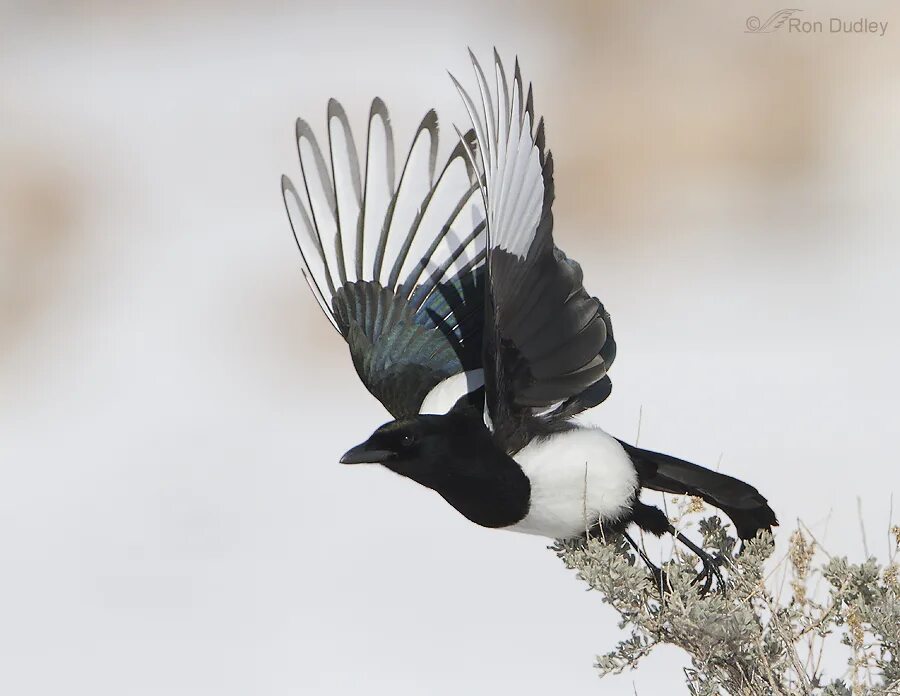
[445,394]
[513,171]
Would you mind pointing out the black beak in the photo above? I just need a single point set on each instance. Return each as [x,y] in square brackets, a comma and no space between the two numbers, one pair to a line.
[361,454]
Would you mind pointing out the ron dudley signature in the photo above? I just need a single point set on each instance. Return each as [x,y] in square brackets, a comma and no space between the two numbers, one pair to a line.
[788,19]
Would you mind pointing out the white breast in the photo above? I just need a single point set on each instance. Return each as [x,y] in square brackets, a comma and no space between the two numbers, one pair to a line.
[577,478]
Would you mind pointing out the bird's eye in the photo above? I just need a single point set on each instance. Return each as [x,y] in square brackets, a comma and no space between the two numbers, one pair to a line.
[407,441]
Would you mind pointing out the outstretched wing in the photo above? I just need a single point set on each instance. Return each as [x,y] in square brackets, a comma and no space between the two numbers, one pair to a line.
[547,343]
[395,262]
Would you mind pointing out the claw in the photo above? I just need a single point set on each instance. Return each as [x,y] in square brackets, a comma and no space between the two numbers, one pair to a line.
[709,573]
[710,567]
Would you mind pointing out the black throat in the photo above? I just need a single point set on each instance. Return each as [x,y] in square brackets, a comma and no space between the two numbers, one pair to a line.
[498,496]
[472,473]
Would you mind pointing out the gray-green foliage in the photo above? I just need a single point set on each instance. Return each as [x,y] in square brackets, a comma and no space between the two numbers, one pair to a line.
[748,639]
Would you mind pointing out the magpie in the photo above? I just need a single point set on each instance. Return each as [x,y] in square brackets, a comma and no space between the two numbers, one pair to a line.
[474,329]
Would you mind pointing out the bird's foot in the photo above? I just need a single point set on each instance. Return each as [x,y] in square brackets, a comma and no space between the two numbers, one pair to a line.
[660,577]
[709,573]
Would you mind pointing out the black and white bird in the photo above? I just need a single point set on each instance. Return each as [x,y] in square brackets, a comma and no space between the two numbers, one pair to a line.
[474,329]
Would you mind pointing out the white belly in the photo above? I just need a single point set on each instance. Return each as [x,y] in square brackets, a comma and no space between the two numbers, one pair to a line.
[578,478]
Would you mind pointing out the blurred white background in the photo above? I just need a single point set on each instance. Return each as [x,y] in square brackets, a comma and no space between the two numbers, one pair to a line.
[173,519]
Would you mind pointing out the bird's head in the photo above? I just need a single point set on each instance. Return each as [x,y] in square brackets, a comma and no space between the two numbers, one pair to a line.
[454,455]
[413,447]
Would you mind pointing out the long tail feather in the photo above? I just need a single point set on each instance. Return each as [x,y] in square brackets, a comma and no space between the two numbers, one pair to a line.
[745,505]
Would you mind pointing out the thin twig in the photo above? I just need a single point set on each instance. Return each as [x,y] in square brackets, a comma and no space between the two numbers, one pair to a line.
[892,546]
[862,526]
[637,437]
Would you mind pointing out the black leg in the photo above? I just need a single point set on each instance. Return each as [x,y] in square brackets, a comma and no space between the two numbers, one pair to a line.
[655,523]
[710,567]
[658,573]
[650,518]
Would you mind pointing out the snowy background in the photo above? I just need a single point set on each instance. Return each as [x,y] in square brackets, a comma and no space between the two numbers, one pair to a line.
[173,520]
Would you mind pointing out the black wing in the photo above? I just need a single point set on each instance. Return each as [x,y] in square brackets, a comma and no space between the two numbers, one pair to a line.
[396,264]
[547,343]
